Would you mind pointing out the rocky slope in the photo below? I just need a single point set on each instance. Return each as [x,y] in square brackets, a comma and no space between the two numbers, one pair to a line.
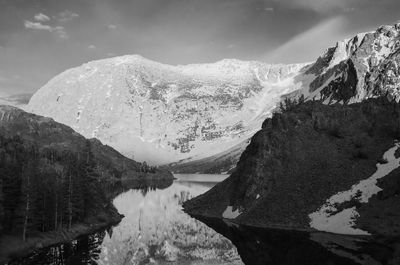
[162,113]
[165,114]
[316,167]
[357,68]
[364,66]
[221,163]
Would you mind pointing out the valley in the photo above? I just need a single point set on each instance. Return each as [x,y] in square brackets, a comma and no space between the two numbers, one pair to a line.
[107,161]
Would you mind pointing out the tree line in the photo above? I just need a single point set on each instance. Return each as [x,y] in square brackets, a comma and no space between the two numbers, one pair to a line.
[47,189]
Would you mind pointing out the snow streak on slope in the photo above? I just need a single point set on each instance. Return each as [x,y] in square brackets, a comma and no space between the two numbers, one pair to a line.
[162,113]
[230,214]
[328,218]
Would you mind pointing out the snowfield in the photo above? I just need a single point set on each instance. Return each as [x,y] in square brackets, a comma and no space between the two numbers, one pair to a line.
[230,214]
[162,113]
[328,219]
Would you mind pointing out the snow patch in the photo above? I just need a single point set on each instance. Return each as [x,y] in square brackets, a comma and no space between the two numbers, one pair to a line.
[342,222]
[230,214]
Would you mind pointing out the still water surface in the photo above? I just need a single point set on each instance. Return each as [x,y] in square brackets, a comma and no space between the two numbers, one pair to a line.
[155,230]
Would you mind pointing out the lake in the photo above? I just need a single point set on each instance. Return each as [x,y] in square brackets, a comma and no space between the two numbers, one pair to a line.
[155,230]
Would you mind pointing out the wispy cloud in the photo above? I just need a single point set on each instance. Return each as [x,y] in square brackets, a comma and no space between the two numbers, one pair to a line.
[349,9]
[58,30]
[91,47]
[66,16]
[321,6]
[308,45]
[37,25]
[41,17]
[269,9]
[4,79]
[111,26]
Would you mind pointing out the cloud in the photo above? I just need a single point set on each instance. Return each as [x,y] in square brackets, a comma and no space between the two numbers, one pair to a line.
[4,79]
[58,30]
[321,6]
[111,26]
[37,25]
[66,16]
[349,9]
[92,47]
[308,45]
[269,9]
[41,17]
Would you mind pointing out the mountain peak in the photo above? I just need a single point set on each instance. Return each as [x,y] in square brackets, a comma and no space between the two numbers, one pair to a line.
[163,113]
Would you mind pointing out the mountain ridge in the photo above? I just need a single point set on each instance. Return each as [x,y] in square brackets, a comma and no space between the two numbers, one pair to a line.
[176,113]
[198,106]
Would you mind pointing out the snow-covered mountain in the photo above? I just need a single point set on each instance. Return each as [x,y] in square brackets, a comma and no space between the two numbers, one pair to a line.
[162,113]
[366,65]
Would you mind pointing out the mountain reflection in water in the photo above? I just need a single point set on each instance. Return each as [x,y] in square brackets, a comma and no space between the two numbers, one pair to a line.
[155,230]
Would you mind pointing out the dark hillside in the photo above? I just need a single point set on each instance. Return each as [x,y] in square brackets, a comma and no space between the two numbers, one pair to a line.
[301,157]
[52,180]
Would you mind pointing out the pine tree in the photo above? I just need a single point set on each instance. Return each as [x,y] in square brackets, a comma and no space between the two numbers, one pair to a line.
[1,204]
[29,190]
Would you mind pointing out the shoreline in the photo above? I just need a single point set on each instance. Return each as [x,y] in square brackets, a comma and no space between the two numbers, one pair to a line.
[12,247]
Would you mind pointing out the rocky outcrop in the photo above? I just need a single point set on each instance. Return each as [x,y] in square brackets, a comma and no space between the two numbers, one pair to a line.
[354,69]
[301,158]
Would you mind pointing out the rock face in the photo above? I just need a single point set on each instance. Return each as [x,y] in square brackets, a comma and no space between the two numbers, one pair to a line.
[354,69]
[161,113]
[313,167]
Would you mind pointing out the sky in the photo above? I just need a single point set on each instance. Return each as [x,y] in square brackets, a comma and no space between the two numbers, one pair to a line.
[41,38]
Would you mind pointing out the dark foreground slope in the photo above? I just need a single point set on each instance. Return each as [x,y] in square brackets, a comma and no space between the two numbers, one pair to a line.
[50,135]
[54,183]
[303,156]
